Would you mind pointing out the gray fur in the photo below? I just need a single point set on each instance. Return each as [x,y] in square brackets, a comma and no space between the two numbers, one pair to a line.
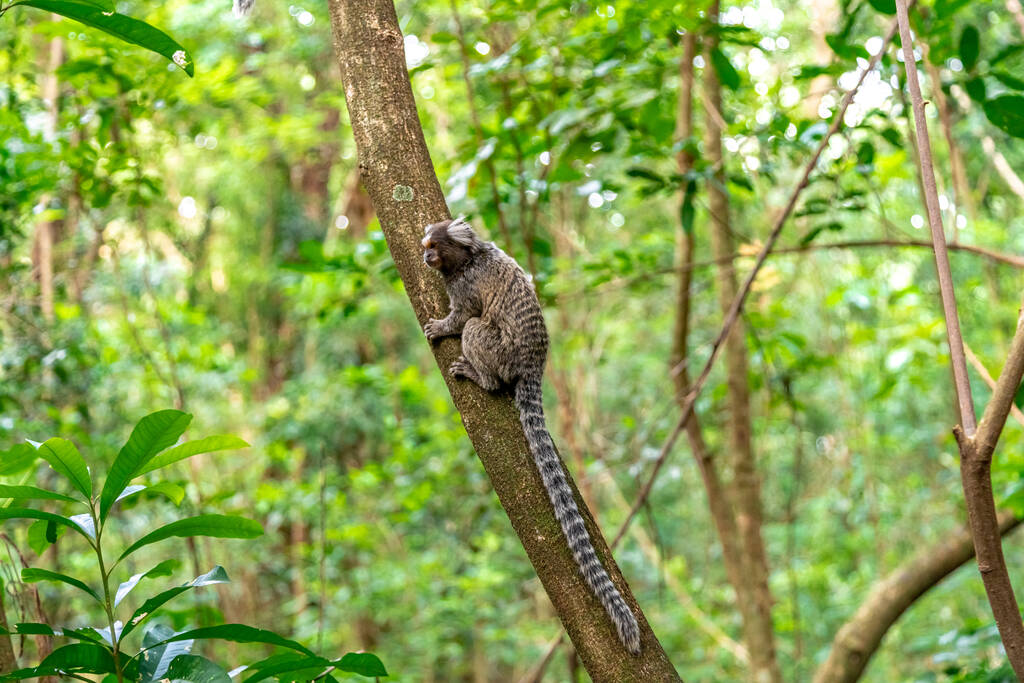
[505,341]
[243,7]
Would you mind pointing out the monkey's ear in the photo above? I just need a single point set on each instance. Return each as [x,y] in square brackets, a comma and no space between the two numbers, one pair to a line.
[462,232]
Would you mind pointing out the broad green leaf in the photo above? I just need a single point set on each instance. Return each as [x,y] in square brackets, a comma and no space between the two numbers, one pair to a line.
[287,664]
[240,633]
[362,663]
[976,89]
[81,658]
[86,634]
[208,444]
[1007,112]
[120,26]
[727,73]
[32,493]
[66,460]
[157,658]
[970,47]
[29,513]
[195,669]
[17,458]
[215,575]
[152,434]
[33,575]
[884,6]
[165,568]
[218,526]
[946,8]
[169,490]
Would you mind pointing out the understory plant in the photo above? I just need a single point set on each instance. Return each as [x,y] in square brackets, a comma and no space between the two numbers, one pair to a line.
[115,649]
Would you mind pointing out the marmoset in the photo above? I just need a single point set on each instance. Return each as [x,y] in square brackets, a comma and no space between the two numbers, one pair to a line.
[505,342]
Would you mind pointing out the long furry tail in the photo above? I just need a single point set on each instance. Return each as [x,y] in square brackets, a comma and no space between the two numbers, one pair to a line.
[531,414]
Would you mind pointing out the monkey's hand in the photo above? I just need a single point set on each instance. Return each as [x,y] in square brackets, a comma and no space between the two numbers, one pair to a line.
[435,329]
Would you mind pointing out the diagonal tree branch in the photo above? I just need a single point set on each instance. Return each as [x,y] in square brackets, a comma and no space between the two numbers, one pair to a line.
[860,637]
[741,297]
[399,177]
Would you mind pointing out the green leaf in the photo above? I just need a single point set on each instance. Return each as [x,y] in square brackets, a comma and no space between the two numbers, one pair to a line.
[157,658]
[67,461]
[32,575]
[727,73]
[976,89]
[189,448]
[29,513]
[884,6]
[240,633]
[218,526]
[289,663]
[43,534]
[215,575]
[17,458]
[1008,80]
[970,47]
[152,434]
[126,28]
[946,8]
[81,658]
[86,634]
[32,493]
[362,663]
[1007,113]
[169,490]
[165,568]
[195,669]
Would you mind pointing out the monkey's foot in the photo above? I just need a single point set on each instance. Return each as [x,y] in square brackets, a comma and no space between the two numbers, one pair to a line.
[434,329]
[463,368]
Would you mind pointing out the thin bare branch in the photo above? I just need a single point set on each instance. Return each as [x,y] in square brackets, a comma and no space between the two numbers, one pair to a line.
[980,368]
[976,445]
[931,202]
[741,297]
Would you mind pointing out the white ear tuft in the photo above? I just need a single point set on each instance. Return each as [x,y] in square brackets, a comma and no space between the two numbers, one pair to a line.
[462,232]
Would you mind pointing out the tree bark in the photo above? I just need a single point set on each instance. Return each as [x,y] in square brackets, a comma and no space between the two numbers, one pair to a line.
[746,485]
[860,637]
[398,175]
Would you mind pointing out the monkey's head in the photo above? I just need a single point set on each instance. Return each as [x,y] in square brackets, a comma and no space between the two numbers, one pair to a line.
[449,245]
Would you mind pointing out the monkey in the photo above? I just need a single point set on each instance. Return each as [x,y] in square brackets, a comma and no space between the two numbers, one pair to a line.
[504,342]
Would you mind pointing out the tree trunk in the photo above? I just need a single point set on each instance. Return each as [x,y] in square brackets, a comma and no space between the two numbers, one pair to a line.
[400,179]
[746,485]
[862,634]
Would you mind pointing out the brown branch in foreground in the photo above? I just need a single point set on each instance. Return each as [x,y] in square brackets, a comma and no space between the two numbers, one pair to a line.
[399,177]
[860,637]
[926,166]
[976,445]
[741,297]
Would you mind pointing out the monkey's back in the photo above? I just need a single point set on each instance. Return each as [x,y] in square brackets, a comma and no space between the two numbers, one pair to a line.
[508,302]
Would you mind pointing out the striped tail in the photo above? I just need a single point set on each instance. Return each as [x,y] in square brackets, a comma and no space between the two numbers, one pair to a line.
[531,414]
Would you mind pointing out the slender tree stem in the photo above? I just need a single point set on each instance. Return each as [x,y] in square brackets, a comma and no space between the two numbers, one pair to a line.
[976,446]
[108,604]
[741,297]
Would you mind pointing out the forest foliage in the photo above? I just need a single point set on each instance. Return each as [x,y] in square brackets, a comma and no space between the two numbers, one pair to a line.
[203,244]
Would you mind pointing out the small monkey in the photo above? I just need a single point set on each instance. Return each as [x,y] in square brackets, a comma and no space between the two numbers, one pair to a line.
[505,341]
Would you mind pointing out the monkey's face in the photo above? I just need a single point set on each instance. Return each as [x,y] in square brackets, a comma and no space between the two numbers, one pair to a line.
[441,251]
